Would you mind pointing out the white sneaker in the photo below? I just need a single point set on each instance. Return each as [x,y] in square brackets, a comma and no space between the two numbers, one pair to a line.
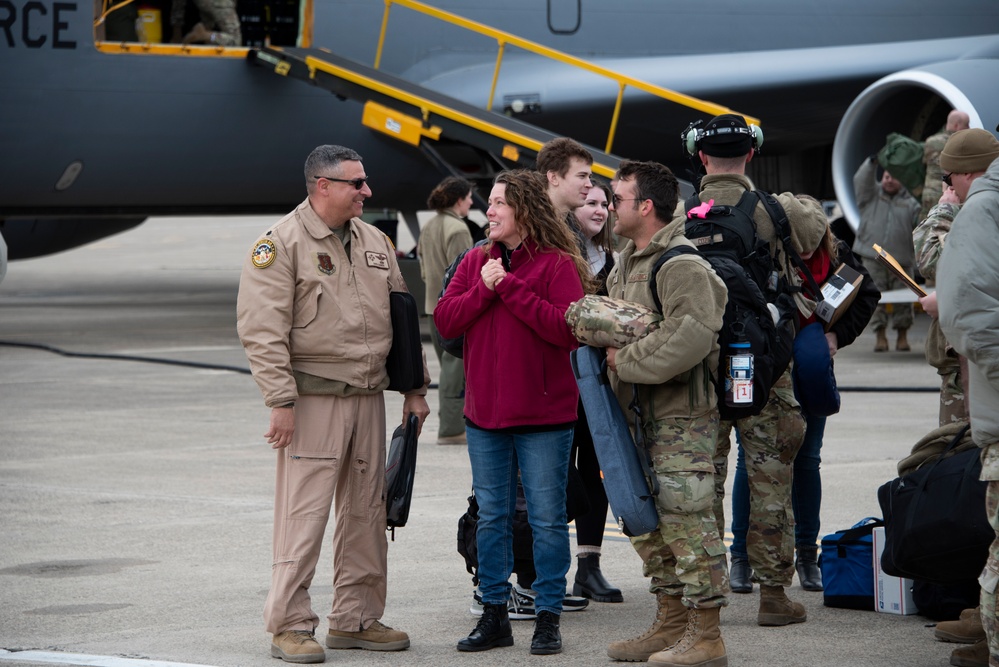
[521,605]
[525,600]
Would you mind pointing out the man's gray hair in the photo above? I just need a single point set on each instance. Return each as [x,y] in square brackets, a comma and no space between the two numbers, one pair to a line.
[324,160]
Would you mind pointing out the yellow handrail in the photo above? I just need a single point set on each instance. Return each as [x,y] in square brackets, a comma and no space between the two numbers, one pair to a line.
[503,38]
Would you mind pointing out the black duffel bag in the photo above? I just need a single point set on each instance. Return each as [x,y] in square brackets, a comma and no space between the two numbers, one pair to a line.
[936,528]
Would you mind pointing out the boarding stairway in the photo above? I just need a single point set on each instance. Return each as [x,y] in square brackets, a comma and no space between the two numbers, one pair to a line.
[419,116]
[435,122]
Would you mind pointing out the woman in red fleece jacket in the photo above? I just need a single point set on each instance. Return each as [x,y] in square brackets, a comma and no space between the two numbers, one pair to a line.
[508,298]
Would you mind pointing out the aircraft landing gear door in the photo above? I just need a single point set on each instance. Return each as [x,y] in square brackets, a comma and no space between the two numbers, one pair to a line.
[564,16]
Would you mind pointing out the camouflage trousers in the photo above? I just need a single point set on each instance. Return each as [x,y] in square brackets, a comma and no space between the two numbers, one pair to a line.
[990,575]
[770,442]
[952,405]
[685,555]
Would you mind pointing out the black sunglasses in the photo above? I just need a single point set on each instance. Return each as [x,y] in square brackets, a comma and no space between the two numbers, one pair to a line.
[946,179]
[358,183]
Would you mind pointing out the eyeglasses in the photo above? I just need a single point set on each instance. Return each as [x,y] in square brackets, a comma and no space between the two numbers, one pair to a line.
[617,200]
[946,179]
[358,183]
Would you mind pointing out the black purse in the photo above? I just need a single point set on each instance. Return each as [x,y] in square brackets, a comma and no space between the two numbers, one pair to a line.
[936,528]
[405,358]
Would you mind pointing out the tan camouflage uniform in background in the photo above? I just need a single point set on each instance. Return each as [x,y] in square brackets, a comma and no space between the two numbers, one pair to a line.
[933,184]
[218,16]
[928,241]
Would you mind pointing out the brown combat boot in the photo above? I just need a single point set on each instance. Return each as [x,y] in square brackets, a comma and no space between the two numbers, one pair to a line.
[976,655]
[882,343]
[967,629]
[701,644]
[902,342]
[776,609]
[666,630]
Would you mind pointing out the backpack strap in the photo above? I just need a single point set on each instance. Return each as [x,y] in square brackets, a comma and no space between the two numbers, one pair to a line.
[722,218]
[783,228]
[675,251]
[690,202]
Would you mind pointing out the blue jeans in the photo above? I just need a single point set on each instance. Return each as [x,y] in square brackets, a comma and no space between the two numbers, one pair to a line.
[543,461]
[806,490]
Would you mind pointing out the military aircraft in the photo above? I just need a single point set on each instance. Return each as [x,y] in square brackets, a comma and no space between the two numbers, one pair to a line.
[97,134]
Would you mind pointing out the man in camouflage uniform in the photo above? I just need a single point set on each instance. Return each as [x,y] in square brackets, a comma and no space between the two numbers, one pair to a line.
[771,439]
[685,555]
[932,186]
[971,149]
[219,23]
[964,159]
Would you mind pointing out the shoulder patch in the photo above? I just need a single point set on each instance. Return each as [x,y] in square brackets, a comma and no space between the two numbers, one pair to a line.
[263,254]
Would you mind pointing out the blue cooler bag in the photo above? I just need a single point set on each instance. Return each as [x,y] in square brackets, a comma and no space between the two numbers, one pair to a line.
[847,564]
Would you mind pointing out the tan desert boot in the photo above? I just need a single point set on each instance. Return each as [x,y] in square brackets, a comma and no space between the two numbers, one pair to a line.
[666,630]
[967,629]
[975,655]
[701,644]
[881,345]
[777,609]
[902,342]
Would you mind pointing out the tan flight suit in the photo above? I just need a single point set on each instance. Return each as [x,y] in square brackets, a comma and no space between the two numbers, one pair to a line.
[316,328]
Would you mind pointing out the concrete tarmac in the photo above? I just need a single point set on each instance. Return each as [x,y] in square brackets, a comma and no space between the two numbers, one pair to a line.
[136,496]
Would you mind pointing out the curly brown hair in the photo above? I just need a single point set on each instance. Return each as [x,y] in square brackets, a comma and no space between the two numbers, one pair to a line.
[448,192]
[527,195]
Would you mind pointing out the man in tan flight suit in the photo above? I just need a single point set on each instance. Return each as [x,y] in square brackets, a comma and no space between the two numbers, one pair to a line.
[313,317]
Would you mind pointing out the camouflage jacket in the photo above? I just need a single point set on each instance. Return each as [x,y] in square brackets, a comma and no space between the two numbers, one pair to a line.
[667,364]
[928,242]
[933,183]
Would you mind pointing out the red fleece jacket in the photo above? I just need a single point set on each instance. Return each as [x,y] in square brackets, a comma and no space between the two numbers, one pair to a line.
[517,343]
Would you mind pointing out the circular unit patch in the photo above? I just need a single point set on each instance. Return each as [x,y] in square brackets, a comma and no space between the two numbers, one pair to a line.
[263,254]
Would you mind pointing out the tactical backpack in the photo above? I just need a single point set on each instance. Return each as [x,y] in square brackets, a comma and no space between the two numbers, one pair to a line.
[453,346]
[726,237]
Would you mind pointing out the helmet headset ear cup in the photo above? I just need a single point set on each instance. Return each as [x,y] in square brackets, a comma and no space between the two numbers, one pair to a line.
[693,135]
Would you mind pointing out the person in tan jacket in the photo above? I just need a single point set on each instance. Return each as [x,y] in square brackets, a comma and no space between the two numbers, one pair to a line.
[313,317]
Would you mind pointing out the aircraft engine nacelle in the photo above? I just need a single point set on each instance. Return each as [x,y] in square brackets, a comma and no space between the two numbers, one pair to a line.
[35,237]
[915,103]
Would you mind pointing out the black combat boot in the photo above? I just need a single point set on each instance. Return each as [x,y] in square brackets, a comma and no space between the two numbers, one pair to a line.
[741,575]
[590,582]
[492,630]
[547,639]
[807,566]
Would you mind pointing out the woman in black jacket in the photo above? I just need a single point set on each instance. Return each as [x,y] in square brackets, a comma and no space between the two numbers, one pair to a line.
[806,489]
